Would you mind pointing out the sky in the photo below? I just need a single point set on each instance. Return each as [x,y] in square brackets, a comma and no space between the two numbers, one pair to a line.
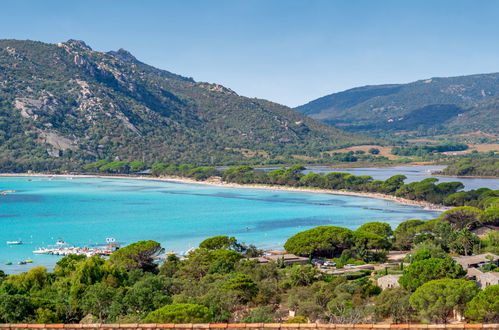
[285,51]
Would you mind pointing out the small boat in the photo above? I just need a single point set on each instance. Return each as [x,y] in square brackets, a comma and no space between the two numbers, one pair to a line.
[61,242]
[21,263]
[8,263]
[29,261]
[15,242]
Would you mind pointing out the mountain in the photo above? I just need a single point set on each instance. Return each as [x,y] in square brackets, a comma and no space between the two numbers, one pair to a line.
[67,103]
[456,104]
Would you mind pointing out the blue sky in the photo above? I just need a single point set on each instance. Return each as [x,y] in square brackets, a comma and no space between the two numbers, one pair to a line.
[283,50]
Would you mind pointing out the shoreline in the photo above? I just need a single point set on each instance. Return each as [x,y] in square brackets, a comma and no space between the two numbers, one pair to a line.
[425,205]
[466,176]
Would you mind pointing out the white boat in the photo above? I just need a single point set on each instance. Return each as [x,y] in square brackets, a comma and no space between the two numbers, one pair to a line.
[14,242]
[42,251]
[61,242]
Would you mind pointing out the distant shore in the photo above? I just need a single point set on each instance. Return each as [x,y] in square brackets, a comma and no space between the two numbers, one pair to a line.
[425,205]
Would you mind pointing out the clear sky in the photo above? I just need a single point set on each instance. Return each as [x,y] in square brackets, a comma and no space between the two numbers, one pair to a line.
[282,50]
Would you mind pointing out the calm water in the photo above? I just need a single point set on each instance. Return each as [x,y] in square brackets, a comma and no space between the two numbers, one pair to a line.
[413,173]
[86,211]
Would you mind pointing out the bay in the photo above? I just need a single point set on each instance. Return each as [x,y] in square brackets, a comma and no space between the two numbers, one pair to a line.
[85,211]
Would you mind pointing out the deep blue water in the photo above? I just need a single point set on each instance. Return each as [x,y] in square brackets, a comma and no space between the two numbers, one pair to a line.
[84,211]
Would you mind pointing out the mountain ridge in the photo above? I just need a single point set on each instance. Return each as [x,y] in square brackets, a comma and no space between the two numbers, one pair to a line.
[396,106]
[65,101]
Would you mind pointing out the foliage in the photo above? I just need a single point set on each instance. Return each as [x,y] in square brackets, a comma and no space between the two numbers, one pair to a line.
[463,242]
[420,272]
[473,167]
[422,150]
[322,240]
[181,313]
[405,232]
[394,303]
[137,255]
[484,307]
[242,287]
[379,228]
[464,217]
[264,314]
[368,240]
[436,300]
[296,319]
[218,242]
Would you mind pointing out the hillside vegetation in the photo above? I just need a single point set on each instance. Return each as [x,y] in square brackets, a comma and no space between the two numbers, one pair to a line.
[65,103]
[437,105]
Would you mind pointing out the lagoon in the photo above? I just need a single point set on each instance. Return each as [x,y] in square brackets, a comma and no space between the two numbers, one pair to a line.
[413,173]
[85,211]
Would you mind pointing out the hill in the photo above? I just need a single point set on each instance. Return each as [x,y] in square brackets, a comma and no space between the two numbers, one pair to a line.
[65,103]
[456,104]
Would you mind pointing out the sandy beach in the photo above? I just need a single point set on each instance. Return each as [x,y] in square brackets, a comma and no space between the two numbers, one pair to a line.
[425,205]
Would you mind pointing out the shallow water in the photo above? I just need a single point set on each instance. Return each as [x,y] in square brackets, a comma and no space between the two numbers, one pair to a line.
[85,211]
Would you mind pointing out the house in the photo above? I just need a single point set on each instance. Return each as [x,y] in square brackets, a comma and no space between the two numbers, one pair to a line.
[476,260]
[472,264]
[389,281]
[287,258]
[483,279]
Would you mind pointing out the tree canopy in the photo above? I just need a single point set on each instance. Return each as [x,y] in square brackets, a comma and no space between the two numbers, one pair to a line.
[180,313]
[420,272]
[322,240]
[438,299]
[137,255]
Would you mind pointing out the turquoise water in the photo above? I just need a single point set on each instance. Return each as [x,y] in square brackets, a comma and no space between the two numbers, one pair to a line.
[84,211]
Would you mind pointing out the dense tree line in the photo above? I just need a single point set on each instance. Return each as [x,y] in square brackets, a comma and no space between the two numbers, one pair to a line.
[428,190]
[423,150]
[473,167]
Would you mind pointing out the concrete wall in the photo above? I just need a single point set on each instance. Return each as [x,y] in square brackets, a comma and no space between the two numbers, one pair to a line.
[242,326]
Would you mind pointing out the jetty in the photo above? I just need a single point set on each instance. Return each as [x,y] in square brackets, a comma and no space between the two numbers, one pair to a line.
[62,250]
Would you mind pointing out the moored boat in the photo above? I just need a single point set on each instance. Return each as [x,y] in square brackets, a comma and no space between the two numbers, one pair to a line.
[15,242]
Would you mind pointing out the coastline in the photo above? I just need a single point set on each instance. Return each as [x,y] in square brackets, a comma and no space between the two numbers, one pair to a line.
[425,205]
[465,176]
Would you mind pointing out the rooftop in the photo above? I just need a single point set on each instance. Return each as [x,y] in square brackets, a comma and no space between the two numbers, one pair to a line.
[476,259]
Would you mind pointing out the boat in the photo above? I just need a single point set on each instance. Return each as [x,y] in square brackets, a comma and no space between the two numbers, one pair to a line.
[21,263]
[61,242]
[41,251]
[29,261]
[15,242]
[8,263]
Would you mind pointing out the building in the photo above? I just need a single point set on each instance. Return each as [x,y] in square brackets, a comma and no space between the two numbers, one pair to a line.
[389,281]
[287,258]
[472,264]
[476,260]
[483,279]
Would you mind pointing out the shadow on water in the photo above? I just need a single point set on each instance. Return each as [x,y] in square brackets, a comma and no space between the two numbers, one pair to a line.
[291,223]
[18,198]
[270,199]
